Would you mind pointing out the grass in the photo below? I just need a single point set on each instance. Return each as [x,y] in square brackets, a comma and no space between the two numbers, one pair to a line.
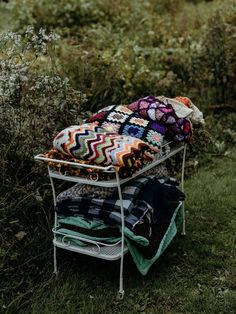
[196,274]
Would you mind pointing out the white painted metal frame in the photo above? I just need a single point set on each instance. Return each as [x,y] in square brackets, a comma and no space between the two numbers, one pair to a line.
[95,248]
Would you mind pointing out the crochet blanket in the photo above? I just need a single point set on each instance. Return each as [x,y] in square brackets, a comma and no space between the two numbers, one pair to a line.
[153,109]
[122,120]
[91,173]
[98,146]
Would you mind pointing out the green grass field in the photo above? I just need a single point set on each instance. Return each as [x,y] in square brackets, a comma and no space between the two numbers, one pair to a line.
[196,274]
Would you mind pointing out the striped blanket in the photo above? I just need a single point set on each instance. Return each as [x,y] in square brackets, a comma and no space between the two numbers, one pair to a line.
[98,146]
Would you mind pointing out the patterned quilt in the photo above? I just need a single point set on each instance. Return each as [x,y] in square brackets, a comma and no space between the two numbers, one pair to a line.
[153,109]
[122,120]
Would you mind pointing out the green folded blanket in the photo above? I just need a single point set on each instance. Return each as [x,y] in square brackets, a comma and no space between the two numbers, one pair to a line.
[133,241]
[143,264]
[94,230]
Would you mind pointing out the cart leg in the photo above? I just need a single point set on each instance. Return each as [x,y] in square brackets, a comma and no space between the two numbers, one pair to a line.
[120,295]
[55,260]
[121,291]
[182,188]
[183,226]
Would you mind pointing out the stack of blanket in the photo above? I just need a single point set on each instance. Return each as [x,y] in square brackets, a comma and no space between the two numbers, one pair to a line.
[126,138]
[151,117]
[151,208]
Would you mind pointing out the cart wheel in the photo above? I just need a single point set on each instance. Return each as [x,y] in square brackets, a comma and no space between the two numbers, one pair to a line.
[55,273]
[120,295]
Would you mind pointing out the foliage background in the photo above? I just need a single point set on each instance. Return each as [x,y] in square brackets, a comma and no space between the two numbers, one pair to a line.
[105,52]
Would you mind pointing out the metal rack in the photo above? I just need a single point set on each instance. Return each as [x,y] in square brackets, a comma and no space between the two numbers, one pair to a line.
[93,248]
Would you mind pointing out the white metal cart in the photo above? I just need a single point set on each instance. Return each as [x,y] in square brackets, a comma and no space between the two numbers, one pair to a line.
[97,249]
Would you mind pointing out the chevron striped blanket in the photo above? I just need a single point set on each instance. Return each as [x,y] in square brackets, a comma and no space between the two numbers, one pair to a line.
[96,145]
[124,121]
[154,109]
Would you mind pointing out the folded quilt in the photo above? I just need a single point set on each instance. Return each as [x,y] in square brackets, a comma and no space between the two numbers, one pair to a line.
[74,224]
[196,116]
[88,229]
[181,110]
[124,121]
[184,108]
[100,232]
[156,110]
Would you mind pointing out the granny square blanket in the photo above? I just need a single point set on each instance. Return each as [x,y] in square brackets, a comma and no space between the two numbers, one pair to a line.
[124,121]
[153,109]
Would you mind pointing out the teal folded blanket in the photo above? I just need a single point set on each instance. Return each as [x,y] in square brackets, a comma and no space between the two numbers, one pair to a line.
[94,230]
[143,264]
[134,242]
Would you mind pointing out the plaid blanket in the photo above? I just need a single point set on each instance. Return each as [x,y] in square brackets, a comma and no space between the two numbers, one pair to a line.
[108,210]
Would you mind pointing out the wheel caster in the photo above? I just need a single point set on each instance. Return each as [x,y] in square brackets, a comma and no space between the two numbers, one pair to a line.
[120,295]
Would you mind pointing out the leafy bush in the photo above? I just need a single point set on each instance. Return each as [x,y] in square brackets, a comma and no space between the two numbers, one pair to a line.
[126,49]
[54,14]
[35,101]
[220,49]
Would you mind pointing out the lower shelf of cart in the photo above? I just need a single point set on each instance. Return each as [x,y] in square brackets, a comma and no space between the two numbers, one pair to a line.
[110,252]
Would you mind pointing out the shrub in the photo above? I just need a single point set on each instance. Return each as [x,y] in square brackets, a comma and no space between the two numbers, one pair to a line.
[35,102]
[122,50]
[54,14]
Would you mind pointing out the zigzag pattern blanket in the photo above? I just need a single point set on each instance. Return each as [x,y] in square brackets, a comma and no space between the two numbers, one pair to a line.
[122,120]
[96,145]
